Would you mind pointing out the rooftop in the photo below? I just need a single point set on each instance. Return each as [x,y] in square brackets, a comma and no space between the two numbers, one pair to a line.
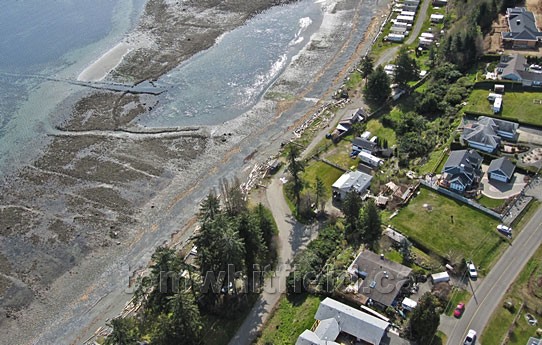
[522,25]
[381,277]
[356,180]
[502,164]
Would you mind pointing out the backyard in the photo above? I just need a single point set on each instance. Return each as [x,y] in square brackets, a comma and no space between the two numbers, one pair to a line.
[294,315]
[516,105]
[449,228]
[528,289]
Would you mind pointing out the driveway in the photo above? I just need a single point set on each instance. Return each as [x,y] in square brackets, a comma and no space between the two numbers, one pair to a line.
[293,236]
[488,294]
[501,190]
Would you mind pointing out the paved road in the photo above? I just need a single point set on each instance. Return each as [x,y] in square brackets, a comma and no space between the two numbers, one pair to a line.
[487,296]
[292,237]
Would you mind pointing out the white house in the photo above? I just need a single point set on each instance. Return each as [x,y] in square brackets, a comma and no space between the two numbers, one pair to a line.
[437,18]
[333,317]
[355,181]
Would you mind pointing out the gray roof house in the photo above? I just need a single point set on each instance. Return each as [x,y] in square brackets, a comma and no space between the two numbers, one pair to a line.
[501,169]
[515,67]
[523,30]
[334,317]
[356,181]
[381,277]
[486,133]
[362,144]
[534,341]
[462,170]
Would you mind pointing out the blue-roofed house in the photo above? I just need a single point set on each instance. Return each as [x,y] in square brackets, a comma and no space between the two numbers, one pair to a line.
[523,31]
[462,170]
[501,169]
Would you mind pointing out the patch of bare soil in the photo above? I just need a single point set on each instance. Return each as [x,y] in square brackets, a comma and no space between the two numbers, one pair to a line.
[492,41]
[535,6]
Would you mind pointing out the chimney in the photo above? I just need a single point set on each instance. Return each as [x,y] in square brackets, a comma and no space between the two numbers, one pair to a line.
[518,22]
[381,256]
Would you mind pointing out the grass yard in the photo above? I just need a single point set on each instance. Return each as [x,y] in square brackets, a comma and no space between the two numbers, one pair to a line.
[293,316]
[516,105]
[376,128]
[326,172]
[435,163]
[491,203]
[528,288]
[458,295]
[340,155]
[471,235]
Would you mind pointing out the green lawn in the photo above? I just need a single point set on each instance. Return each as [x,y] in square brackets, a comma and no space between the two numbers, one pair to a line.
[376,128]
[436,161]
[293,316]
[458,295]
[490,203]
[516,105]
[525,289]
[471,235]
[326,172]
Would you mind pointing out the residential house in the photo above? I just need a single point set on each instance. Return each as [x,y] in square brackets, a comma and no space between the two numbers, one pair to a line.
[378,278]
[462,170]
[364,145]
[355,181]
[534,341]
[523,30]
[515,67]
[334,318]
[501,169]
[486,133]
[344,126]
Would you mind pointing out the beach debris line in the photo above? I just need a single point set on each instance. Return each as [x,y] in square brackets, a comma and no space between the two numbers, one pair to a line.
[322,110]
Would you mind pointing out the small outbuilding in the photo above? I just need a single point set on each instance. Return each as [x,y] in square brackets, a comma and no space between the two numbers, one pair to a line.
[409,304]
[440,277]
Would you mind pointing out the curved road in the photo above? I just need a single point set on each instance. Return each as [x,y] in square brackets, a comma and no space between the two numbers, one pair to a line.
[488,294]
[292,237]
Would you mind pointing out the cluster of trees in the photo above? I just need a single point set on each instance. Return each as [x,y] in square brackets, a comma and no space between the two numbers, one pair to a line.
[362,220]
[305,194]
[425,320]
[235,244]
[377,88]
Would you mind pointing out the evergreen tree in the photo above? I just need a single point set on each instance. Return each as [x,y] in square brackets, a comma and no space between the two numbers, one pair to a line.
[370,223]
[209,208]
[183,325]
[425,320]
[165,270]
[351,209]
[377,89]
[366,66]
[321,193]
[255,249]
[124,332]
[406,68]
[295,167]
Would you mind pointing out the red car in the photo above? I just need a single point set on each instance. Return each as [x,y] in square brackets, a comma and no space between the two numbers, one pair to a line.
[459,310]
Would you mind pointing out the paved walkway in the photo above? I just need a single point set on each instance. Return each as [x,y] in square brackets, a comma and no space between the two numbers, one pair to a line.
[292,237]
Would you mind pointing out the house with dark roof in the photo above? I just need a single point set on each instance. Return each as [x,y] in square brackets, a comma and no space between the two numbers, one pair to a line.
[501,169]
[378,278]
[515,67]
[364,145]
[462,170]
[523,30]
[486,133]
[334,318]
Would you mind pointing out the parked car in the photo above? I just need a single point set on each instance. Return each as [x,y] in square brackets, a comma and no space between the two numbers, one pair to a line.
[503,229]
[472,270]
[470,339]
[459,310]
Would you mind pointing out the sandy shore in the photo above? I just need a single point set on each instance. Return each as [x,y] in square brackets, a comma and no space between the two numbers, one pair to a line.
[108,61]
[63,210]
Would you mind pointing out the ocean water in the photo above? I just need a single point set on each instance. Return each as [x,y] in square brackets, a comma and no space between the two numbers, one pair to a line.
[41,39]
[224,81]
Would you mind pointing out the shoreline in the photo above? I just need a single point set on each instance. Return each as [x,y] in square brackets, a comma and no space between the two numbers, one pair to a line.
[100,68]
[95,301]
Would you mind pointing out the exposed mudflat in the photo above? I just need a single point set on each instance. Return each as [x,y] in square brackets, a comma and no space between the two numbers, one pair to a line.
[78,221]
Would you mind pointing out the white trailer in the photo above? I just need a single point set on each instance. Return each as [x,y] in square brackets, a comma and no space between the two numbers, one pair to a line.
[406,19]
[395,38]
[370,159]
[440,277]
[408,13]
[437,18]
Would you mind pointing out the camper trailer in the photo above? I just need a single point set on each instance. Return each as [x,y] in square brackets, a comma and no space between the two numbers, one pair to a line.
[406,19]
[395,38]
